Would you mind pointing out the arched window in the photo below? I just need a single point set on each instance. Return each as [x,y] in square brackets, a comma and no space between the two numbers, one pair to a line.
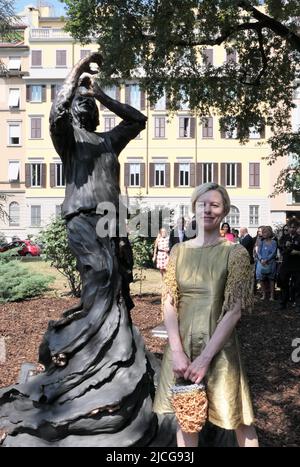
[233,218]
[14,213]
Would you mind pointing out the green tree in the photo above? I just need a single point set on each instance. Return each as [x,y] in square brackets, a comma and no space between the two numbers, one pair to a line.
[7,20]
[57,251]
[166,37]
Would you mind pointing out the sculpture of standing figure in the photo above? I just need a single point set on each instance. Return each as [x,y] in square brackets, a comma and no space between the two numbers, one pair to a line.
[97,386]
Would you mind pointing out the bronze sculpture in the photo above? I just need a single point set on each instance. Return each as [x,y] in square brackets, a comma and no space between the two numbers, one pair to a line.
[97,387]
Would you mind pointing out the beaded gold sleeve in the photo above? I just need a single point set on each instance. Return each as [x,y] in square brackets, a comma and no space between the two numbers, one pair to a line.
[170,285]
[239,284]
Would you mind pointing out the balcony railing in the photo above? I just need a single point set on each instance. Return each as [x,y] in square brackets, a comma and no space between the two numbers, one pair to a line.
[49,33]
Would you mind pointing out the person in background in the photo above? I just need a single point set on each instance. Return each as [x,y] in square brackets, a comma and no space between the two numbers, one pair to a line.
[256,241]
[226,227]
[177,234]
[266,264]
[207,284]
[161,251]
[247,241]
[236,235]
[290,268]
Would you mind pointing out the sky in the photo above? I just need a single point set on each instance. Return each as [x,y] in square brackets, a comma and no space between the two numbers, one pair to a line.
[58,7]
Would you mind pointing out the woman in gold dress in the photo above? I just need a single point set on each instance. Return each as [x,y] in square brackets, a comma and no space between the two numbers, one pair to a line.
[207,283]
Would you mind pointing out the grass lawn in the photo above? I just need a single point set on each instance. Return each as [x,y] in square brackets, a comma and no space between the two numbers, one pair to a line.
[150,285]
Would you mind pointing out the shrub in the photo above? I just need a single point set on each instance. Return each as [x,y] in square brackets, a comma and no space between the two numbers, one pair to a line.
[56,250]
[18,283]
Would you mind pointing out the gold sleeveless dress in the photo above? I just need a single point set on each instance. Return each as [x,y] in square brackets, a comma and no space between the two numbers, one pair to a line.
[205,282]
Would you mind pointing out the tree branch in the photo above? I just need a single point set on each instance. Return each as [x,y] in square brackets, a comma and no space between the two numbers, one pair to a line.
[264,59]
[271,23]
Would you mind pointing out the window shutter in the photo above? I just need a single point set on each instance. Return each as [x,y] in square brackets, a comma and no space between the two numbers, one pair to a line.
[151,174]
[193,124]
[176,174]
[223,134]
[199,179]
[36,58]
[43,93]
[52,175]
[44,175]
[142,169]
[223,174]
[208,56]
[118,93]
[257,174]
[127,94]
[27,176]
[251,174]
[230,56]
[126,173]
[210,127]
[167,172]
[263,131]
[192,174]
[53,91]
[28,93]
[216,172]
[143,100]
[181,127]
[239,175]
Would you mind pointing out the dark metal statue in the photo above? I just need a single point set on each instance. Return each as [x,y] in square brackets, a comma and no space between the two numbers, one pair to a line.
[97,386]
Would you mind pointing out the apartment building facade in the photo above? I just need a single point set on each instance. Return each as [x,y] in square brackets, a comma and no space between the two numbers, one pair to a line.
[161,166]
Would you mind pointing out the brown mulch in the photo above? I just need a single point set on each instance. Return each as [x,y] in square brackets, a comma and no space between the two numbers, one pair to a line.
[266,338]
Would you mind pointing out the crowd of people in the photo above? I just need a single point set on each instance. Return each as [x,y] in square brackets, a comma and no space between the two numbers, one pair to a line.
[275,258]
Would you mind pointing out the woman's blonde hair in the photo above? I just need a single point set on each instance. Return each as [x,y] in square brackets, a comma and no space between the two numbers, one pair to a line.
[204,188]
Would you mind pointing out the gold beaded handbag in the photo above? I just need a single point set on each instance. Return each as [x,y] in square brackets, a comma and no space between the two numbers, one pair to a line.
[190,404]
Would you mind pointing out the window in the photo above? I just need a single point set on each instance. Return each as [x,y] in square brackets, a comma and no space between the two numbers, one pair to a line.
[161,103]
[254,133]
[186,127]
[14,171]
[254,174]
[159,174]
[61,58]
[230,128]
[36,174]
[35,127]
[84,52]
[184,102]
[184,174]
[14,63]
[207,172]
[14,213]
[159,127]
[230,175]
[296,197]
[183,210]
[135,96]
[233,218]
[14,98]
[111,91]
[208,56]
[14,134]
[253,216]
[134,175]
[36,93]
[36,58]
[35,216]
[59,175]
[109,123]
[231,56]
[207,127]
[54,90]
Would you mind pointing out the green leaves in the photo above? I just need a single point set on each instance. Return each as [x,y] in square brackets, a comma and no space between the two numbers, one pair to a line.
[57,251]
[166,40]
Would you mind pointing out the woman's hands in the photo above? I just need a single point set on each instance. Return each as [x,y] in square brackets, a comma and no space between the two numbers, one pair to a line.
[196,371]
[180,363]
